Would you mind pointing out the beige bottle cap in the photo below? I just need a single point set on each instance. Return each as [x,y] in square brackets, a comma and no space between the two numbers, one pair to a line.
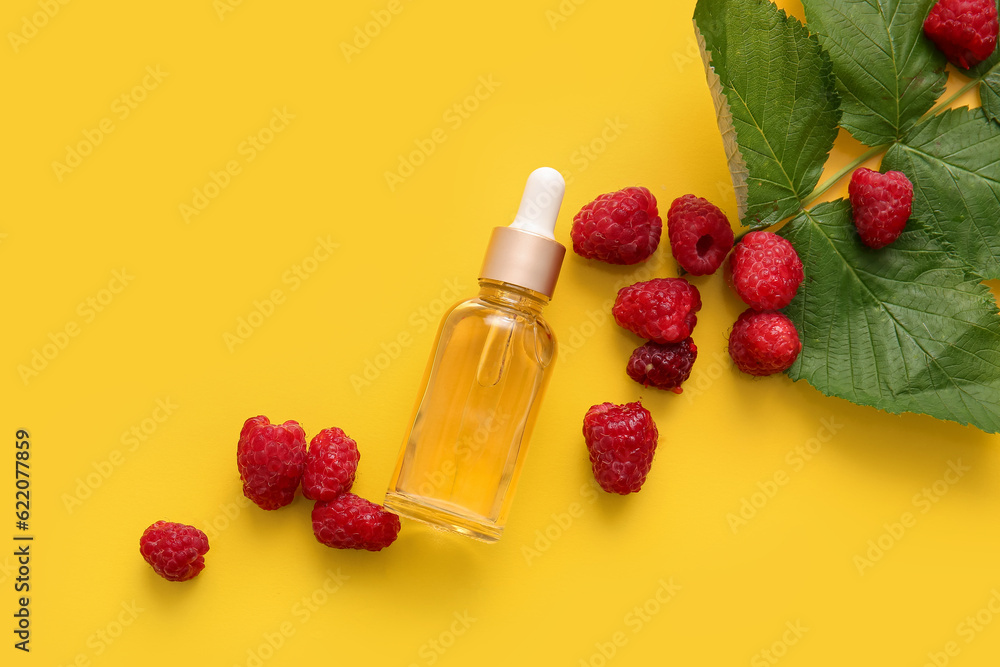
[526,253]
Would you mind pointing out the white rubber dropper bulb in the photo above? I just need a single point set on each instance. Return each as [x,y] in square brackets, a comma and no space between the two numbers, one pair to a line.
[543,195]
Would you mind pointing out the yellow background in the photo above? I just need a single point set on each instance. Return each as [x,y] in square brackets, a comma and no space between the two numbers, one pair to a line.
[552,590]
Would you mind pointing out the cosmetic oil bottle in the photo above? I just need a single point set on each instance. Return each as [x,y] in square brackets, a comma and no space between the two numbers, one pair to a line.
[460,462]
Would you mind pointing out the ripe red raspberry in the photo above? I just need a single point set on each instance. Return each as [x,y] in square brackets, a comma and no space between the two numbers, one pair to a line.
[661,310]
[964,30]
[351,522]
[618,228]
[663,366]
[621,440]
[700,235]
[765,271]
[271,458]
[175,551]
[764,343]
[882,204]
[331,464]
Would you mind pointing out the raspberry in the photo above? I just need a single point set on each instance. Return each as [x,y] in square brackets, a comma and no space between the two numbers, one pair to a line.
[175,551]
[271,458]
[882,204]
[764,343]
[618,228]
[351,522]
[765,271]
[700,235]
[663,366]
[331,464]
[964,30]
[661,310]
[621,440]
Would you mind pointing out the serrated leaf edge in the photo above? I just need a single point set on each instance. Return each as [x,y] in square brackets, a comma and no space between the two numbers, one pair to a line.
[738,170]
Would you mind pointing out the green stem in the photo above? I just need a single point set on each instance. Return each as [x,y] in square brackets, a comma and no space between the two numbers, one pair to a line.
[833,180]
[945,104]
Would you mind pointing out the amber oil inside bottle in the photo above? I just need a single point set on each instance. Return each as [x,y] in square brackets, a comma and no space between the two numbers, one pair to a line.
[462,457]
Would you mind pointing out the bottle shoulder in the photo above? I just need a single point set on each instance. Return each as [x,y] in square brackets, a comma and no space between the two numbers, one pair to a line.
[476,317]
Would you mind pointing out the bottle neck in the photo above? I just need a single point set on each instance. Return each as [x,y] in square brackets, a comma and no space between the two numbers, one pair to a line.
[512,296]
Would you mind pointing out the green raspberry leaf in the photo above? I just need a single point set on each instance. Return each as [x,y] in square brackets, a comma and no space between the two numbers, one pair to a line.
[888,73]
[989,91]
[776,102]
[904,329]
[954,162]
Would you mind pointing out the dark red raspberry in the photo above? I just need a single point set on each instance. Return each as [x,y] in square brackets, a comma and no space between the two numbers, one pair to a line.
[663,366]
[764,343]
[700,235]
[661,310]
[271,458]
[351,522]
[882,204]
[331,464]
[765,271]
[618,228]
[964,30]
[175,551]
[621,440]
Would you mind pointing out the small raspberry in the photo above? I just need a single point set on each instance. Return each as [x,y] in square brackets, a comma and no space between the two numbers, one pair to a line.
[964,30]
[618,228]
[621,440]
[764,343]
[700,235]
[331,464]
[351,522]
[765,271]
[882,204]
[661,310]
[663,366]
[175,551]
[270,458]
